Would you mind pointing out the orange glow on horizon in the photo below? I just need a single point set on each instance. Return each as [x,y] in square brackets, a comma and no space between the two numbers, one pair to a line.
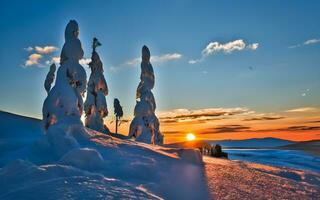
[294,126]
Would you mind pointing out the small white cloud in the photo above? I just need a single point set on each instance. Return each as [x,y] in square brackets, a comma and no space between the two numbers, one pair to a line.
[84,61]
[55,59]
[229,47]
[303,109]
[45,49]
[33,59]
[29,49]
[194,61]
[253,46]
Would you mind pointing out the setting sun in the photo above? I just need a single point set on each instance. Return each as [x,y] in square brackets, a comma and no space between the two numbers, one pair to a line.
[190,136]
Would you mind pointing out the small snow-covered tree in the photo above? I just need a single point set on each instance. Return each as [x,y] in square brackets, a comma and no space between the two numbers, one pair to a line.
[145,125]
[50,78]
[118,112]
[95,105]
[64,104]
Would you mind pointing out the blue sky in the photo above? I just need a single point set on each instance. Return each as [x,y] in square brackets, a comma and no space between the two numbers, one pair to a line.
[270,78]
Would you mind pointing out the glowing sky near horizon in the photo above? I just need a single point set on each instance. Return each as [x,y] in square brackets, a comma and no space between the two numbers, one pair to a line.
[224,70]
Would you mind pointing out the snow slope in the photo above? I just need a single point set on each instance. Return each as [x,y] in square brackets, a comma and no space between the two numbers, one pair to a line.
[100,167]
[16,126]
[16,133]
[241,180]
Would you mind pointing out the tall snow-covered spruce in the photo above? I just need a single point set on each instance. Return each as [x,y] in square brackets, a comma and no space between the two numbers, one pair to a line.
[64,104]
[145,125]
[95,106]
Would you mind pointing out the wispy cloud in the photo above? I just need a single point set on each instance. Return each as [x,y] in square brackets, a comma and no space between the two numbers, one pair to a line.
[314,121]
[199,115]
[303,109]
[311,41]
[307,42]
[301,128]
[225,129]
[165,58]
[157,59]
[133,62]
[292,128]
[265,118]
[229,47]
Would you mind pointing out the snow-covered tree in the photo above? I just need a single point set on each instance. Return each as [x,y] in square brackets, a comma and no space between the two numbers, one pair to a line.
[118,112]
[145,125]
[50,78]
[95,105]
[64,104]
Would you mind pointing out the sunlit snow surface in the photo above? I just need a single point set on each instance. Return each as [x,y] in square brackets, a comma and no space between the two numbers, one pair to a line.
[102,168]
[244,180]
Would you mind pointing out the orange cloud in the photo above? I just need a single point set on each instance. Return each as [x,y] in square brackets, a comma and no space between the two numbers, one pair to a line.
[33,59]
[303,109]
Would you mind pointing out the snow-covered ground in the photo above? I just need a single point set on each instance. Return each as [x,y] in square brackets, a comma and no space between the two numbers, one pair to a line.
[102,167]
[242,180]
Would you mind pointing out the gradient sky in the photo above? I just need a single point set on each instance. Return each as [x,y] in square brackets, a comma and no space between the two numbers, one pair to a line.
[267,88]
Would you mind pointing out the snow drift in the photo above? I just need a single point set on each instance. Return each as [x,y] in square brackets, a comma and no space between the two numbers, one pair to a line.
[91,165]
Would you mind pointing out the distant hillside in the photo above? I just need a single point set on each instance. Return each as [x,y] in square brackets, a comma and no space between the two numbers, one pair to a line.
[252,143]
[248,143]
[312,146]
